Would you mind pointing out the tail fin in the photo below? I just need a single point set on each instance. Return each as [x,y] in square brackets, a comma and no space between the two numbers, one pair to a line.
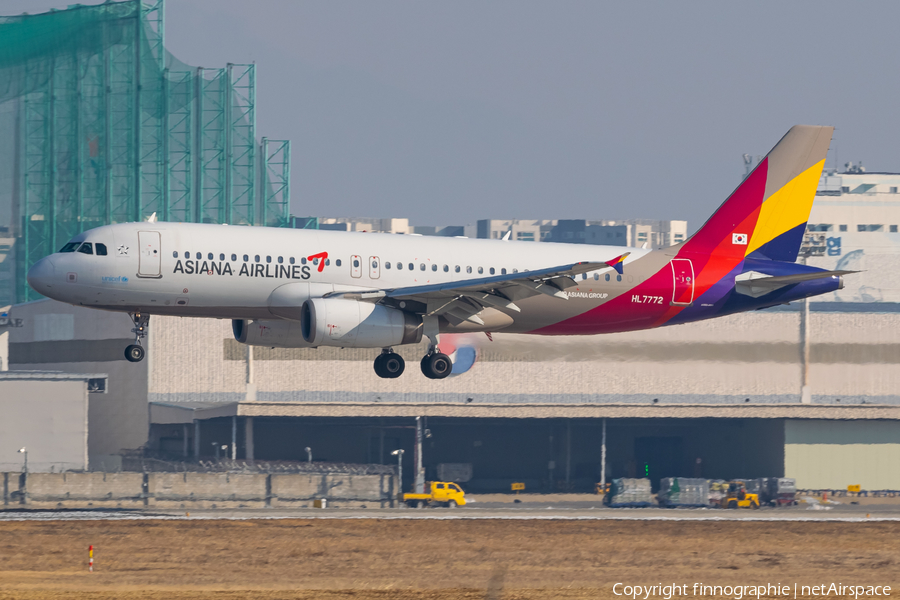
[765,217]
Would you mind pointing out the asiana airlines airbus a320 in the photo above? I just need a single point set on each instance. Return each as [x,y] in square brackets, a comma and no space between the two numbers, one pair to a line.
[293,288]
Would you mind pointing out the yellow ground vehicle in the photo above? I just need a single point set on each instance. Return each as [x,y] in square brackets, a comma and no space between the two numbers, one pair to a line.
[739,497]
[438,492]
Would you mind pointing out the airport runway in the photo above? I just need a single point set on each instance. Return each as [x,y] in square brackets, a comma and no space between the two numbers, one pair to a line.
[814,513]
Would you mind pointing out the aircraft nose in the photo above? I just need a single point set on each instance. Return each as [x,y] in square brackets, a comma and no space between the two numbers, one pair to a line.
[41,276]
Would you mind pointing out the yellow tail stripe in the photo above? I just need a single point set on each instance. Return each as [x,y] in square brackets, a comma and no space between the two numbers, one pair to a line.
[787,208]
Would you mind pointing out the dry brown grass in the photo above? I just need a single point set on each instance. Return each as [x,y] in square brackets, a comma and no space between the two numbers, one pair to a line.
[374,559]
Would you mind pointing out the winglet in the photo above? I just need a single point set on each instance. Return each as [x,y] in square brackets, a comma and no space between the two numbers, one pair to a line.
[617,263]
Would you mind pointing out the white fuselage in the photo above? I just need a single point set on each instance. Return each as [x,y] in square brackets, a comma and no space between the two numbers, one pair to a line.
[233,272]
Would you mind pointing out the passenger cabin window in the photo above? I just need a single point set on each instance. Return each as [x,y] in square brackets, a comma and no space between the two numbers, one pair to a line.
[607,276]
[480,270]
[503,271]
[303,261]
[199,256]
[71,246]
[234,258]
[387,265]
[468,269]
[355,263]
[421,266]
[175,254]
[268,259]
[411,266]
[86,248]
[456,269]
[291,260]
[337,262]
[280,260]
[434,267]
[209,256]
[246,258]
[222,256]
[100,248]
[492,270]
[446,268]
[256,258]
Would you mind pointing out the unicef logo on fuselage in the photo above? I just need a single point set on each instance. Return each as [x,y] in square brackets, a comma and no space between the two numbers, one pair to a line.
[114,279]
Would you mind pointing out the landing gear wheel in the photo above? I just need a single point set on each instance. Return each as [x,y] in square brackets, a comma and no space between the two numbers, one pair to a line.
[436,366]
[389,365]
[134,353]
[393,365]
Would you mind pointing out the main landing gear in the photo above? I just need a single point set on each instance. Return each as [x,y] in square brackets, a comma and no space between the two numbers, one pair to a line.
[435,364]
[135,352]
[389,364]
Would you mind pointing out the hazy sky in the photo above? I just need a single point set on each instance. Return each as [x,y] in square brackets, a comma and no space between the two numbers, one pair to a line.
[456,111]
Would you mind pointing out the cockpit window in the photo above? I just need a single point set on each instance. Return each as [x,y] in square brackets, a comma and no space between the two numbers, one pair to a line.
[86,248]
[100,248]
[70,247]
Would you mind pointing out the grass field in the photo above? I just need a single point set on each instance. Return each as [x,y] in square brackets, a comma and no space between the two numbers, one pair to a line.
[429,559]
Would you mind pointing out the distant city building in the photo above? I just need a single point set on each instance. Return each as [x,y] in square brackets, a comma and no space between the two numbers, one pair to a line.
[630,232]
[522,230]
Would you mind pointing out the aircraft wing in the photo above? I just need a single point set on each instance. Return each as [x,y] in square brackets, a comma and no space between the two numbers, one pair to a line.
[756,284]
[460,301]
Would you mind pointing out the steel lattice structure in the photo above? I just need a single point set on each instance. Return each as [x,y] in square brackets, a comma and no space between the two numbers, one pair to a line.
[109,127]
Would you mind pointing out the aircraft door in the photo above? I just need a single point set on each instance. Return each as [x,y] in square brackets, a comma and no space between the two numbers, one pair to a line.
[683,282]
[355,266]
[149,254]
[374,267]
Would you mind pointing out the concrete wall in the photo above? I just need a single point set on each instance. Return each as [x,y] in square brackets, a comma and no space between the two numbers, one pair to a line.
[339,488]
[854,358]
[47,417]
[93,489]
[194,490]
[95,344]
[835,454]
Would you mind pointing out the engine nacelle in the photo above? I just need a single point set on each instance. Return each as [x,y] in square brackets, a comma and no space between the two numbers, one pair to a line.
[273,333]
[354,324]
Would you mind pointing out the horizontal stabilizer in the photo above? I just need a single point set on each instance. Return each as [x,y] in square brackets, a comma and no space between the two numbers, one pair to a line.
[756,284]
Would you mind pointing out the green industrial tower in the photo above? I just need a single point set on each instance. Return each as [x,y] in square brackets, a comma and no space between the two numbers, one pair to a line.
[99,124]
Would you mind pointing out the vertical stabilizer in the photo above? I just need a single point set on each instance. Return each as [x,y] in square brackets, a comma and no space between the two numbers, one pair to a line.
[765,217]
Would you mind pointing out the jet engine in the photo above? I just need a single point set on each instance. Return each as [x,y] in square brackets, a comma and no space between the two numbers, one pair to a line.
[353,324]
[273,333]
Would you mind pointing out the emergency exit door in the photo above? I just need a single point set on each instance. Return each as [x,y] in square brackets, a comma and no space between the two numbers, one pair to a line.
[683,281]
[149,254]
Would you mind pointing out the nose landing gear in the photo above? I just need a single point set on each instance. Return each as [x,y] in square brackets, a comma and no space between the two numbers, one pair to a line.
[389,364]
[135,352]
